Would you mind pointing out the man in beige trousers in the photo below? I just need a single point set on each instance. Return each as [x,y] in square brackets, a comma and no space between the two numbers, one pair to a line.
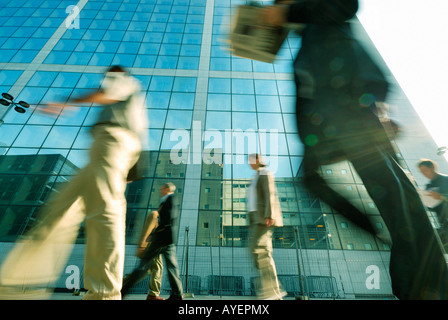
[156,270]
[264,215]
[95,195]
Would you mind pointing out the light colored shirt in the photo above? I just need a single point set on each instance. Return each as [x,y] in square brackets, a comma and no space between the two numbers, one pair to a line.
[130,110]
[251,195]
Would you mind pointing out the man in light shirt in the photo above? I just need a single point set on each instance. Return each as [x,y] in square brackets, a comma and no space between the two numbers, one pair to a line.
[95,195]
[264,215]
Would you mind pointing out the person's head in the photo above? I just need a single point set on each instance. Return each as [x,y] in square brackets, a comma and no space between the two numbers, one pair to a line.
[256,161]
[167,188]
[116,68]
[428,168]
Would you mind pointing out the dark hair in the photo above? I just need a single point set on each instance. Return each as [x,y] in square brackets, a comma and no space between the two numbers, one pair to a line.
[427,163]
[116,68]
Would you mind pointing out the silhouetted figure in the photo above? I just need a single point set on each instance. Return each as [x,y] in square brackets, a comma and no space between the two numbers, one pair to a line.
[163,242]
[338,86]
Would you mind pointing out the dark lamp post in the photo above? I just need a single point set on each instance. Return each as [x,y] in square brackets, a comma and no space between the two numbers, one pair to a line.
[8,100]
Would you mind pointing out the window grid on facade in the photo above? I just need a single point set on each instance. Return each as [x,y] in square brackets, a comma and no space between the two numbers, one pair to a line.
[177,50]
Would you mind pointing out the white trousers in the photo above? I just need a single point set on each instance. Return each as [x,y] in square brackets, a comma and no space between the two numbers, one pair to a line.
[96,195]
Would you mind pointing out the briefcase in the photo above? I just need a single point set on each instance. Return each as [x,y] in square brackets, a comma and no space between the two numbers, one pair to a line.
[250,38]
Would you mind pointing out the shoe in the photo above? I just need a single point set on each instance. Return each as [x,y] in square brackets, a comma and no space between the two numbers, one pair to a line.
[175,298]
[277,296]
[149,297]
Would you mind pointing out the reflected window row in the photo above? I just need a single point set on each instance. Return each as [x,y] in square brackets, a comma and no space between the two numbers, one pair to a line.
[124,59]
[21,198]
[93,80]
[221,143]
[251,86]
[227,166]
[310,231]
[245,121]
[161,91]
[222,202]
[128,46]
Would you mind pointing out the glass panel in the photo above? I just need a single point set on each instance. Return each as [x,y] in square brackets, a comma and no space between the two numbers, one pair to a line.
[273,143]
[66,80]
[178,119]
[161,83]
[176,140]
[101,59]
[219,102]
[61,137]
[290,122]
[38,117]
[182,100]
[155,137]
[158,99]
[31,95]
[242,86]
[266,87]
[245,142]
[184,84]
[90,80]
[243,103]
[217,85]
[42,79]
[32,136]
[8,134]
[84,139]
[156,118]
[78,158]
[270,121]
[24,56]
[218,120]
[9,77]
[167,168]
[268,104]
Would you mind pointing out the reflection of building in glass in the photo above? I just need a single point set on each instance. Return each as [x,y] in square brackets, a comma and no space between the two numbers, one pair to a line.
[25,183]
[199,98]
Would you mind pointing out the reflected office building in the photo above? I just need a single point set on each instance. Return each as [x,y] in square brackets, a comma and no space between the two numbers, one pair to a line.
[208,110]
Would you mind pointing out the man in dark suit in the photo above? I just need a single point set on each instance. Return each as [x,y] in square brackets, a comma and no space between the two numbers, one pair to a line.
[163,242]
[338,85]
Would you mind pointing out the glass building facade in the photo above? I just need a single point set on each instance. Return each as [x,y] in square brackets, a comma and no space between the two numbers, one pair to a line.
[208,110]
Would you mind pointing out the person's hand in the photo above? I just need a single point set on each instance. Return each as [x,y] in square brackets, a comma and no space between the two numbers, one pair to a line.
[51,108]
[435,195]
[54,109]
[274,15]
[269,222]
[140,252]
